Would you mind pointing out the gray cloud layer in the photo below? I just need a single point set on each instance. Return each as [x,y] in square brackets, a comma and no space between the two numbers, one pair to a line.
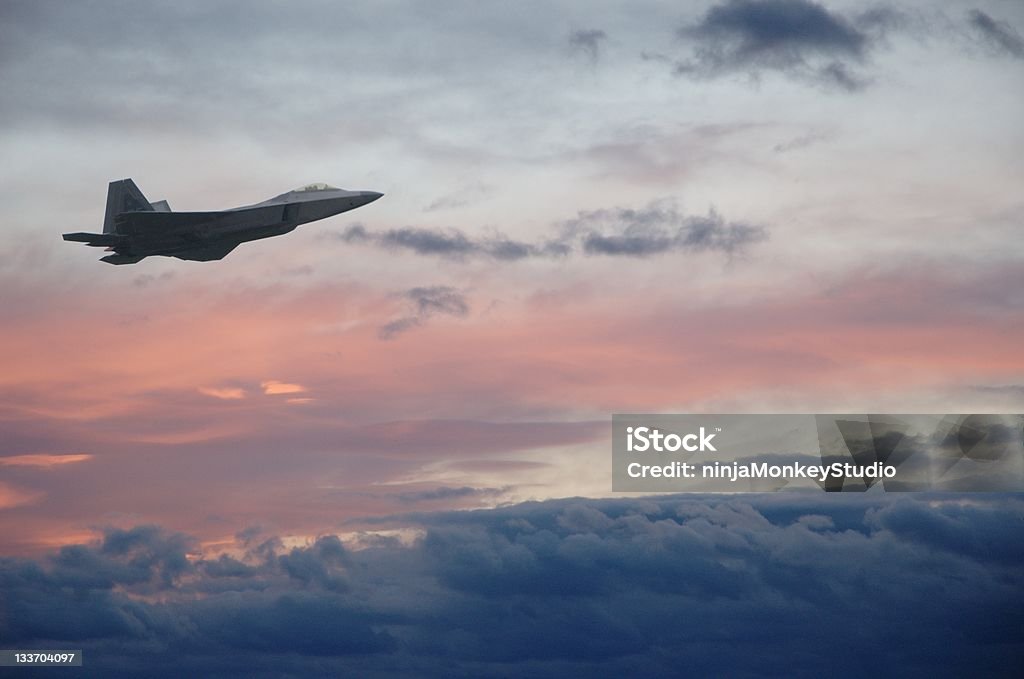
[760,586]
[655,229]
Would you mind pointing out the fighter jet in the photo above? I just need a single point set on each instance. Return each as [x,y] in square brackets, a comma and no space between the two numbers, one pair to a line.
[134,228]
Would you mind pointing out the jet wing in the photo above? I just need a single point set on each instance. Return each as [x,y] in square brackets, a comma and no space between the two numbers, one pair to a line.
[159,223]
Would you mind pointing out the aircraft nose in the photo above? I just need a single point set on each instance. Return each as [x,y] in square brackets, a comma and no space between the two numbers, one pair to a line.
[370,196]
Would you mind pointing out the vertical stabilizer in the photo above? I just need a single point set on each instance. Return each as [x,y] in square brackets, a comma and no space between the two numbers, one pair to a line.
[123,196]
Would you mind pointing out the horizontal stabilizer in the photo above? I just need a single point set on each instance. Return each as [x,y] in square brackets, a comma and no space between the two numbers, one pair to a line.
[95,239]
[160,206]
[122,259]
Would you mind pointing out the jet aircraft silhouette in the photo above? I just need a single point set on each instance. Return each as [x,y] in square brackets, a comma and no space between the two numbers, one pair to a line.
[134,228]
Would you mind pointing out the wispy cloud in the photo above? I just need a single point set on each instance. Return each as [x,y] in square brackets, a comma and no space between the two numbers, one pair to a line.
[803,141]
[657,228]
[450,493]
[43,460]
[467,195]
[998,34]
[224,393]
[450,243]
[588,42]
[426,302]
[12,496]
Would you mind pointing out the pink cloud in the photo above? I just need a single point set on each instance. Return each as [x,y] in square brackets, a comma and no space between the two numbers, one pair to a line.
[12,496]
[536,373]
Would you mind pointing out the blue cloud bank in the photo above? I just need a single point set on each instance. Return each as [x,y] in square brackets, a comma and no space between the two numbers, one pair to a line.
[668,586]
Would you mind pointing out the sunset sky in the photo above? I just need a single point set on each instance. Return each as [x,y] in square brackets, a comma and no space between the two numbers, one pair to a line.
[589,208]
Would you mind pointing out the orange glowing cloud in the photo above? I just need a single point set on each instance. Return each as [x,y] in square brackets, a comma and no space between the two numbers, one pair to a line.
[224,393]
[272,387]
[11,496]
[42,460]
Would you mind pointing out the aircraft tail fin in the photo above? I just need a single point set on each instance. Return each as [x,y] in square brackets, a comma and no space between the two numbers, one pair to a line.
[123,196]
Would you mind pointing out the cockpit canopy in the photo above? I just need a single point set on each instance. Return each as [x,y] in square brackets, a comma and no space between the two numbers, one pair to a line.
[296,194]
[318,186]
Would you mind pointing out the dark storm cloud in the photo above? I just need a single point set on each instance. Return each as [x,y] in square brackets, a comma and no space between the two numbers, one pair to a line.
[769,585]
[142,555]
[311,625]
[588,42]
[318,565]
[798,38]
[626,232]
[998,34]
[426,302]
[766,27]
